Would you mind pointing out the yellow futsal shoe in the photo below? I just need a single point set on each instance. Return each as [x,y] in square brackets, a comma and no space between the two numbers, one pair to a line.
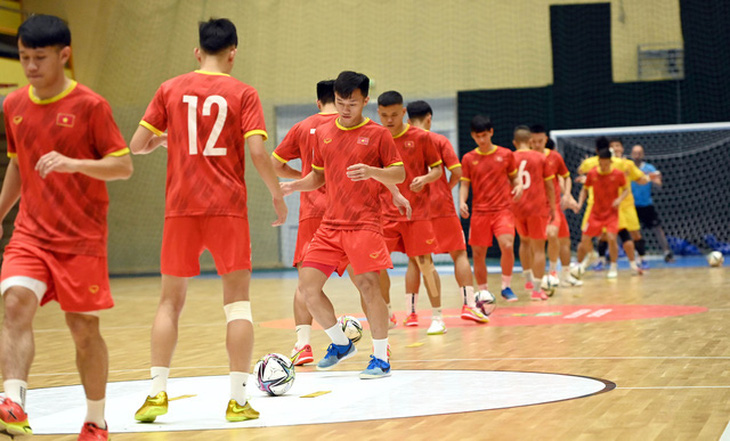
[152,408]
[236,412]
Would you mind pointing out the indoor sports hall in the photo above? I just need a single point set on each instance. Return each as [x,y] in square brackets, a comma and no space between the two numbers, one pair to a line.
[638,357]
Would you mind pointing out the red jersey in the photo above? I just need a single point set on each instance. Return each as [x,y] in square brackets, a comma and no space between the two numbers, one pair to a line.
[442,201]
[533,173]
[606,188]
[208,117]
[353,205]
[299,144]
[419,155]
[65,212]
[490,175]
[556,166]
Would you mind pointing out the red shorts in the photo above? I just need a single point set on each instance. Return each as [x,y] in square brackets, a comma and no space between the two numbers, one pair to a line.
[561,222]
[532,227]
[484,225]
[365,250]
[185,237]
[449,234]
[415,238]
[78,282]
[305,233]
[595,226]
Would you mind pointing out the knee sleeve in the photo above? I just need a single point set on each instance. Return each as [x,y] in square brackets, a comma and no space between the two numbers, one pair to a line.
[238,311]
[624,235]
[640,246]
[602,248]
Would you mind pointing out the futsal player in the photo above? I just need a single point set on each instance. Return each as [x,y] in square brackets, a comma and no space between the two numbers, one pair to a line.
[535,209]
[648,216]
[491,174]
[415,236]
[609,187]
[209,116]
[558,233]
[63,145]
[354,157]
[445,220]
[299,144]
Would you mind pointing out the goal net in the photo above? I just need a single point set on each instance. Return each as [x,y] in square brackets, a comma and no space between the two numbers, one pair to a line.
[694,201]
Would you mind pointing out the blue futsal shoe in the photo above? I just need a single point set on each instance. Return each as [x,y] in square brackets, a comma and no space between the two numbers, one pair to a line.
[509,295]
[376,369]
[335,354]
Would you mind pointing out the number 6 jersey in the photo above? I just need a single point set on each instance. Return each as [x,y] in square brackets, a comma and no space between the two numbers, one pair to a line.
[208,117]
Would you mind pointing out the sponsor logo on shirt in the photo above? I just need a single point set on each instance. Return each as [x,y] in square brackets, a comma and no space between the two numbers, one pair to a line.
[312,131]
[327,140]
[430,241]
[410,144]
[363,140]
[17,120]
[374,255]
[94,289]
[474,162]
[65,120]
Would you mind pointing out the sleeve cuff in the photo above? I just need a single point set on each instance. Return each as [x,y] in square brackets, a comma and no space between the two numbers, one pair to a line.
[151,128]
[256,132]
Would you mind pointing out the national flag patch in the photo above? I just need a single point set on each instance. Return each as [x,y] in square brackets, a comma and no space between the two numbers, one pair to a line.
[410,144]
[65,119]
[363,140]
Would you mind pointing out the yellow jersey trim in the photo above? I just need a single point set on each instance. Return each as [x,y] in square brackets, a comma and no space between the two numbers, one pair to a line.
[341,127]
[58,97]
[494,149]
[151,128]
[408,126]
[316,167]
[205,72]
[550,177]
[400,163]
[453,166]
[465,179]
[565,175]
[439,162]
[118,153]
[12,155]
[279,158]
[327,113]
[512,174]
[256,132]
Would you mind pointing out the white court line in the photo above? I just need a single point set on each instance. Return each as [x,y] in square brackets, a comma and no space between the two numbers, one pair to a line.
[726,434]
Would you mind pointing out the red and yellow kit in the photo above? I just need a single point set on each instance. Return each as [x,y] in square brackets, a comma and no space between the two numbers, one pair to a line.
[208,117]
[442,200]
[531,210]
[554,163]
[606,188]
[65,212]
[489,175]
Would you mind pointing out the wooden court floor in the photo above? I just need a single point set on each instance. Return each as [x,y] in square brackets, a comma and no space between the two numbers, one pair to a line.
[672,373]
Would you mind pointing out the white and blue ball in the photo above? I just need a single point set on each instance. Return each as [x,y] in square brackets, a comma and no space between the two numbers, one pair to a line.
[274,374]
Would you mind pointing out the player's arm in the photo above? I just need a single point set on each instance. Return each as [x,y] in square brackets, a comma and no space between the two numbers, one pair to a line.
[109,168]
[550,193]
[10,192]
[516,186]
[260,159]
[392,174]
[312,181]
[400,201]
[144,141]
[282,168]
[456,174]
[463,196]
[622,196]
[419,182]
[581,199]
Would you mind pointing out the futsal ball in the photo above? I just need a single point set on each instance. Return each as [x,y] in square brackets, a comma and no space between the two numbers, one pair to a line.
[715,258]
[274,374]
[549,284]
[485,301]
[351,327]
[576,270]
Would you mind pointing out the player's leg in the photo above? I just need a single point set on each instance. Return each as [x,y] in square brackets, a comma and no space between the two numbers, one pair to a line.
[553,244]
[302,352]
[384,282]
[526,253]
[92,361]
[465,280]
[413,282]
[367,284]
[662,239]
[640,246]
[537,247]
[479,254]
[613,252]
[507,263]
[432,281]
[629,249]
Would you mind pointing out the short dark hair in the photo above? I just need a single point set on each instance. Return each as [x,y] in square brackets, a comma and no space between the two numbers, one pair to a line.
[521,134]
[550,144]
[538,128]
[601,143]
[216,35]
[44,30]
[347,81]
[326,91]
[604,153]
[615,139]
[481,123]
[418,109]
[390,98]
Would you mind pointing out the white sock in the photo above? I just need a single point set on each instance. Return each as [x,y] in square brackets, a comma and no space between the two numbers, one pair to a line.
[380,349]
[634,265]
[411,302]
[238,386]
[303,333]
[529,278]
[16,390]
[159,376]
[468,293]
[337,335]
[95,412]
[436,314]
[506,280]
[614,266]
[553,266]
[564,272]
[483,287]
